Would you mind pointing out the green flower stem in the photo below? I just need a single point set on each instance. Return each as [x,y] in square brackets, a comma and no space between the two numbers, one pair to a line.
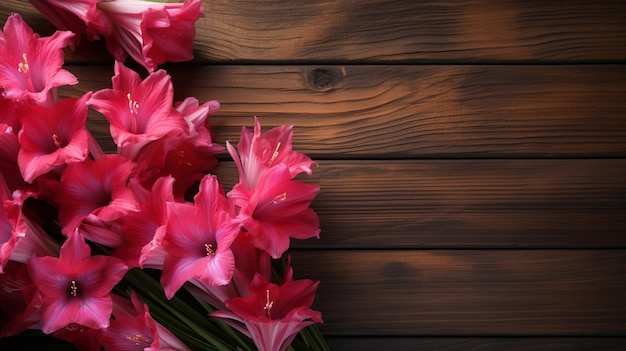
[176,307]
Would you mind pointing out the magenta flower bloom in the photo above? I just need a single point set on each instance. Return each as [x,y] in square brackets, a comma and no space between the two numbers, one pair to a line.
[273,314]
[30,66]
[9,144]
[139,111]
[258,152]
[198,239]
[134,329]
[73,15]
[19,303]
[95,191]
[143,231]
[75,286]
[152,33]
[187,156]
[20,238]
[277,209]
[52,137]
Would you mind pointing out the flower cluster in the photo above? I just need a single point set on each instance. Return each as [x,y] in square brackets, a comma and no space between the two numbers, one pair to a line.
[89,238]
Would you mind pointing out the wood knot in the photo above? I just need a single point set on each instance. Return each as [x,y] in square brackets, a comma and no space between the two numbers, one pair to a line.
[324,78]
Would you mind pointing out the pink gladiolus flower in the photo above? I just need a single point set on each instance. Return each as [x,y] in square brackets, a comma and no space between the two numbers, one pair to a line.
[74,15]
[134,329]
[95,191]
[139,111]
[273,315]
[188,156]
[9,144]
[143,231]
[19,302]
[52,137]
[277,209]
[30,66]
[76,286]
[151,33]
[198,239]
[19,237]
[259,152]
[249,261]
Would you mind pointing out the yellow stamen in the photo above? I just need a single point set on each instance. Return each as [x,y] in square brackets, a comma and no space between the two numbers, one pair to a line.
[268,304]
[209,249]
[279,198]
[274,155]
[133,106]
[137,339]
[73,288]
[55,138]
[23,67]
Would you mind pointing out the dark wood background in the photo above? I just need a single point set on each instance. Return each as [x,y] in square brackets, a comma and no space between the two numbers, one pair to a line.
[472,159]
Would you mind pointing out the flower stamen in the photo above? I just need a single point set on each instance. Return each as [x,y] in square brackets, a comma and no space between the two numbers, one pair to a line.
[279,198]
[209,249]
[55,138]
[275,154]
[73,288]
[268,304]
[133,106]
[137,339]
[23,67]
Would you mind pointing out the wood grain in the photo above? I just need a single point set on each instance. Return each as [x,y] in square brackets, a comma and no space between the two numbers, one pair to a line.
[411,111]
[401,31]
[469,292]
[466,203]
[476,343]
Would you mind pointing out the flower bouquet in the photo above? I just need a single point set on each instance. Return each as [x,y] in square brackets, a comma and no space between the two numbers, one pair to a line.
[140,248]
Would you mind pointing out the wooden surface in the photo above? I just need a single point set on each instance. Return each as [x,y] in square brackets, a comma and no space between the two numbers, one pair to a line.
[472,159]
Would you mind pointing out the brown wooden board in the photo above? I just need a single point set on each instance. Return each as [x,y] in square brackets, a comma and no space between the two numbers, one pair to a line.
[401,31]
[412,111]
[468,292]
[476,343]
[466,203]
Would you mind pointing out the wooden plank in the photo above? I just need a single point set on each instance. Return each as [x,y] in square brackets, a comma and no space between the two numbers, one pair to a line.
[412,111]
[32,342]
[467,203]
[469,292]
[401,31]
[343,343]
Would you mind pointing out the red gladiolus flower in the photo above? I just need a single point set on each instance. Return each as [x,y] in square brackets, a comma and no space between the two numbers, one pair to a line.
[143,231]
[277,209]
[198,239]
[149,32]
[273,314]
[95,191]
[187,156]
[19,303]
[257,152]
[52,137]
[134,329]
[76,286]
[139,111]
[19,237]
[9,144]
[152,33]
[30,66]
[73,15]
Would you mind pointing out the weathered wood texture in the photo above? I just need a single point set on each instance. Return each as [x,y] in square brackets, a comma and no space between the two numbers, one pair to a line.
[399,31]
[469,292]
[467,203]
[472,159]
[413,111]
